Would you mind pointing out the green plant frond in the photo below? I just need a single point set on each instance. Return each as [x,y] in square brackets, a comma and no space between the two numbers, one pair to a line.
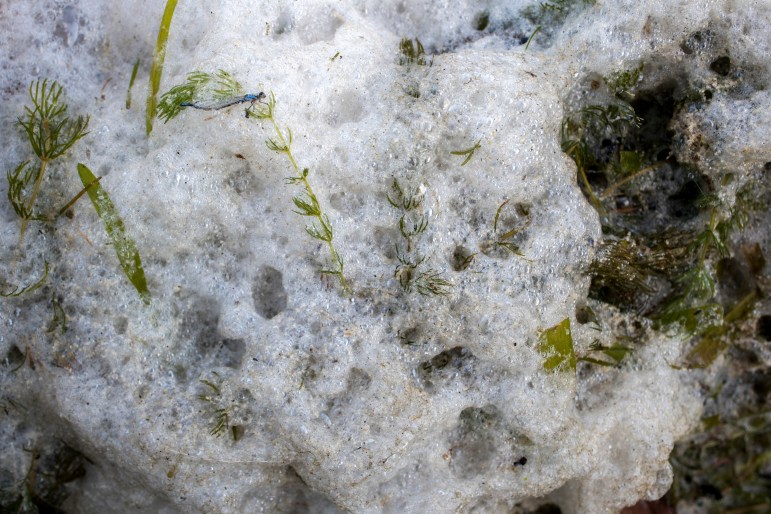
[691,304]
[60,316]
[409,230]
[307,205]
[49,130]
[18,290]
[265,110]
[322,231]
[214,387]
[405,200]
[221,422]
[708,201]
[276,147]
[621,267]
[693,320]
[617,352]
[532,35]
[398,195]
[432,283]
[226,85]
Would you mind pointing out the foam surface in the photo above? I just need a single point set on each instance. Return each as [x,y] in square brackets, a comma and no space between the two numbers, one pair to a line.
[375,401]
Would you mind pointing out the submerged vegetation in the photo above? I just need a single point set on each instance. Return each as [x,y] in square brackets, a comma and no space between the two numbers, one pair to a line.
[670,258]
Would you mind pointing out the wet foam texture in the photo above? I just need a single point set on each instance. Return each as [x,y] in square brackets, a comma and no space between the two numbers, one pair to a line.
[379,399]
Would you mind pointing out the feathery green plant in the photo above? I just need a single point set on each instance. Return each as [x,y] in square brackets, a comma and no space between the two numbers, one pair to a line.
[413,53]
[622,82]
[219,414]
[306,202]
[469,153]
[156,69]
[51,132]
[197,85]
[410,272]
[124,246]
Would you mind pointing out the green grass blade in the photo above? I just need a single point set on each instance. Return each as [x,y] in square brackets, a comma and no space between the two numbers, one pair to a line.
[156,70]
[556,345]
[131,83]
[124,246]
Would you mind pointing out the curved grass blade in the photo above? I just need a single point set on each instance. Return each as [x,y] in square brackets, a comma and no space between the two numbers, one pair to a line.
[18,290]
[124,246]
[156,70]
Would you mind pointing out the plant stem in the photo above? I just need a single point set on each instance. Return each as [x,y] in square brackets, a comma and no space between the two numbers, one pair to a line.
[31,202]
[633,176]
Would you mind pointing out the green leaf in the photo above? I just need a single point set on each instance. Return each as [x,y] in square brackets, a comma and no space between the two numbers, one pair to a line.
[630,162]
[156,70]
[124,246]
[556,345]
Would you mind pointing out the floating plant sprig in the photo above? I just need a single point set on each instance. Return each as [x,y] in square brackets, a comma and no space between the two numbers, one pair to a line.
[410,272]
[51,132]
[306,202]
